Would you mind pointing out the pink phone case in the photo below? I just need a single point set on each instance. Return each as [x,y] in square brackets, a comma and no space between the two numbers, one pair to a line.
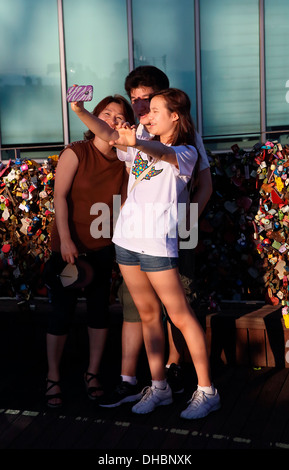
[79,93]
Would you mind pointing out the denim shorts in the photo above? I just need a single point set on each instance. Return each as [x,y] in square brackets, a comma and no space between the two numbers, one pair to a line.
[147,263]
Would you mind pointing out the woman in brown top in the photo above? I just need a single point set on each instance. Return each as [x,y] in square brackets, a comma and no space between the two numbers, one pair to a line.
[88,172]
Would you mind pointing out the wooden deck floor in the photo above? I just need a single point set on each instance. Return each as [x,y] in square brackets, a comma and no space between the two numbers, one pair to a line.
[254,413]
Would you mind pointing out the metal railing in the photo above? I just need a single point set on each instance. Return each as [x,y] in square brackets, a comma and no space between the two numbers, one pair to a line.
[16,149]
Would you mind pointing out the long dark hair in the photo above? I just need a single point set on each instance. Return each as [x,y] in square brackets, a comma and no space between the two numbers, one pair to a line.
[178,101]
[126,110]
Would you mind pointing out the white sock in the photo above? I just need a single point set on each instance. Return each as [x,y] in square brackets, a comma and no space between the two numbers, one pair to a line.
[161,384]
[209,390]
[129,379]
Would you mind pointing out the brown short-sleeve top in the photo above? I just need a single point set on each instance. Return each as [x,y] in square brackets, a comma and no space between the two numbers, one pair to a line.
[97,180]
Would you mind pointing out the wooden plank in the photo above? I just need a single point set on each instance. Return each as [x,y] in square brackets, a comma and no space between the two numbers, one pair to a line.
[247,397]
[231,391]
[228,343]
[111,435]
[239,388]
[257,347]
[174,438]
[49,436]
[168,421]
[194,440]
[229,385]
[154,439]
[133,437]
[276,428]
[221,336]
[254,319]
[228,428]
[277,346]
[261,415]
[28,439]
[218,441]
[22,421]
[242,346]
[70,437]
[7,417]
[226,337]
[93,433]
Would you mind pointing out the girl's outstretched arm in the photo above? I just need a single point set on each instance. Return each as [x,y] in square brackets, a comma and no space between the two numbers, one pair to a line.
[97,126]
[157,150]
[153,148]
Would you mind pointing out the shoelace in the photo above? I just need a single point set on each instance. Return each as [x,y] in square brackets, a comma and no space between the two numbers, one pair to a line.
[147,391]
[197,398]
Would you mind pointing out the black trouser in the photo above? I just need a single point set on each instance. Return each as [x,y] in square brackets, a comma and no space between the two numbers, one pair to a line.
[64,299]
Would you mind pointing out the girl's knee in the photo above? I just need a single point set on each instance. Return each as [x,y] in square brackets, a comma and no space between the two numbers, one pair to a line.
[150,313]
[181,318]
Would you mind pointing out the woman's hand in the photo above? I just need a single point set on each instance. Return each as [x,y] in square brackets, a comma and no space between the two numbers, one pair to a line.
[68,251]
[77,106]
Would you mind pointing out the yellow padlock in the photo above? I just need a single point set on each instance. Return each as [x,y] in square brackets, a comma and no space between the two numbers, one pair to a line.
[286,320]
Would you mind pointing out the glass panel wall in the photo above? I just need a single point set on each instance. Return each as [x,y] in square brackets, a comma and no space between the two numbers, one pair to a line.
[277,65]
[163,35]
[30,96]
[230,67]
[96,50]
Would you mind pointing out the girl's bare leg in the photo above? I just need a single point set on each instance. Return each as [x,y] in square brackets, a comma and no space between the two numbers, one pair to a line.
[168,287]
[149,308]
[176,344]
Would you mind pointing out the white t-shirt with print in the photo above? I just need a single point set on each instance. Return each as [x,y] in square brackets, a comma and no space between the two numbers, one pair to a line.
[147,222]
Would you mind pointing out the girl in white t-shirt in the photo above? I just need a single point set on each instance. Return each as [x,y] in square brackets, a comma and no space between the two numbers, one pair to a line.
[146,240]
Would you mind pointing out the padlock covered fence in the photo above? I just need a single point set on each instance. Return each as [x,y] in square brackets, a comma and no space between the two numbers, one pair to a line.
[243,245]
[242,253]
[26,216]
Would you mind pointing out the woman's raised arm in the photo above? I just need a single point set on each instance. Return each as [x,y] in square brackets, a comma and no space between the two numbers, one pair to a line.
[97,126]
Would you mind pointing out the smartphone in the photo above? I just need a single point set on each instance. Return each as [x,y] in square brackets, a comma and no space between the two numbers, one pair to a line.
[79,93]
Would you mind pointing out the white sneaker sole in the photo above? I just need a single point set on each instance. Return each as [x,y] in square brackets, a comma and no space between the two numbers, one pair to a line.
[216,407]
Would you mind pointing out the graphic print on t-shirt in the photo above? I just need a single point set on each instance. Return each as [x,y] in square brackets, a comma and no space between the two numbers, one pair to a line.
[140,165]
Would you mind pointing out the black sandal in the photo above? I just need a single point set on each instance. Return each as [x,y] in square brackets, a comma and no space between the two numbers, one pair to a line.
[91,390]
[53,396]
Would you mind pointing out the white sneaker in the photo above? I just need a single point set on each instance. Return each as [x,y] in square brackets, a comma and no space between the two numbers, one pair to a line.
[201,404]
[152,398]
